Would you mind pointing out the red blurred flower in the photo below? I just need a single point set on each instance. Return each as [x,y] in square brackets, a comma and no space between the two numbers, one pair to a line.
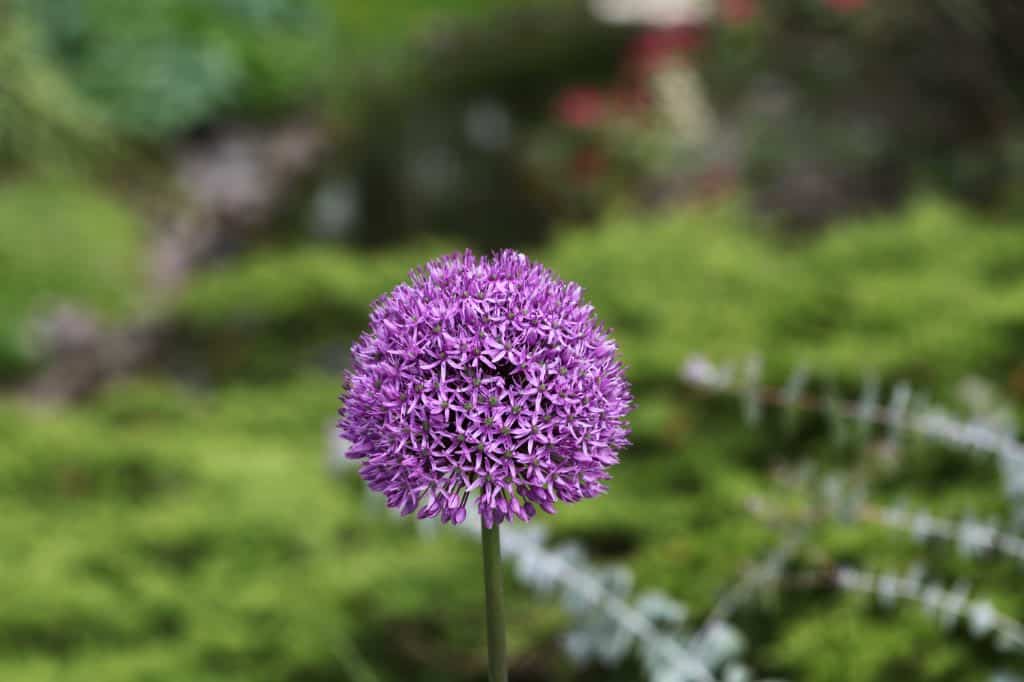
[649,49]
[581,107]
[739,11]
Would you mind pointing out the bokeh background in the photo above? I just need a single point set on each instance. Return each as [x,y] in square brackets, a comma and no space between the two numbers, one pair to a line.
[200,198]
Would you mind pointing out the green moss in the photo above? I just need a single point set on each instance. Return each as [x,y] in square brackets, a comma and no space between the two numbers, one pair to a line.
[272,286]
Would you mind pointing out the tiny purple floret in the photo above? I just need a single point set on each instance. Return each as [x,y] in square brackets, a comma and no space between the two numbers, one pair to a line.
[484,378]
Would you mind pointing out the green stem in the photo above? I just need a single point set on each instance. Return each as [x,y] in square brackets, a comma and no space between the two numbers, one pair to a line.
[498,667]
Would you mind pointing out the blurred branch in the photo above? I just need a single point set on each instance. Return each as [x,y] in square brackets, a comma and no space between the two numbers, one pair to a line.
[769,570]
[972,536]
[949,605]
[896,417]
[234,185]
[566,569]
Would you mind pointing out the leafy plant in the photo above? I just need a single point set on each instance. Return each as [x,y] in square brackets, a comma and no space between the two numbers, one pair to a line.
[168,66]
[44,121]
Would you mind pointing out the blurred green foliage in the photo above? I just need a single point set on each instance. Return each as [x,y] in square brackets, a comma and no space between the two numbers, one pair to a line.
[373,37]
[62,241]
[183,524]
[873,294]
[168,532]
[162,68]
[44,121]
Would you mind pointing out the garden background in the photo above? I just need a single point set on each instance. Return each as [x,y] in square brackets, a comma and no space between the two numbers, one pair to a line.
[803,219]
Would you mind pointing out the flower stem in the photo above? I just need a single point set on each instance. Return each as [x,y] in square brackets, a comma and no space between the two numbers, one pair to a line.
[495,604]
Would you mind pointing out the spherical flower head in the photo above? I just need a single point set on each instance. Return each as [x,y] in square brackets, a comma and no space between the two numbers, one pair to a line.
[486,379]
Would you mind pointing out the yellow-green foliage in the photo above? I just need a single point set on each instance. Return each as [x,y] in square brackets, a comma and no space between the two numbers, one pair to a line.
[877,294]
[286,286]
[164,532]
[44,121]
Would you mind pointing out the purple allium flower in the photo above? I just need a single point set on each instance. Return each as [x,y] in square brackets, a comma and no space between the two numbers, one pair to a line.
[488,375]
